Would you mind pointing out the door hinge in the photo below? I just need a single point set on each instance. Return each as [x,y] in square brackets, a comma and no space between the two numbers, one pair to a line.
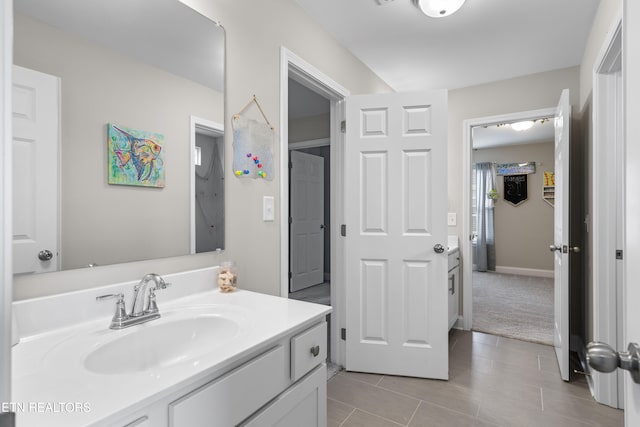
[619,254]
[343,126]
[343,334]
[343,230]
[290,220]
[290,275]
[290,165]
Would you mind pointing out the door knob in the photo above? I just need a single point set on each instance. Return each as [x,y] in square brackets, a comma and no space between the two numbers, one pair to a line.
[574,249]
[45,255]
[603,358]
[438,248]
[554,248]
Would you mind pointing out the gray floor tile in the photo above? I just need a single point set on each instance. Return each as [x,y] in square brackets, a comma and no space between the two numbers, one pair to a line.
[337,412]
[429,415]
[372,399]
[363,419]
[492,381]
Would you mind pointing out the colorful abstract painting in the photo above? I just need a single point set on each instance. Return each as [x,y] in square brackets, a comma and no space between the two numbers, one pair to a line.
[135,157]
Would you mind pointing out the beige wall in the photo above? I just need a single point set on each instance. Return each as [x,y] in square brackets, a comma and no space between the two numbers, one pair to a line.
[255,32]
[526,93]
[310,128]
[523,233]
[604,22]
[100,86]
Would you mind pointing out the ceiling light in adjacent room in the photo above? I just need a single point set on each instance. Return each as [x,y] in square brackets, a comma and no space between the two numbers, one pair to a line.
[520,126]
[439,8]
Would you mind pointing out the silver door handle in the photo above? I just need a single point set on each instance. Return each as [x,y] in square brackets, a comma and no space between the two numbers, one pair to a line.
[574,249]
[438,248]
[603,358]
[554,248]
[45,255]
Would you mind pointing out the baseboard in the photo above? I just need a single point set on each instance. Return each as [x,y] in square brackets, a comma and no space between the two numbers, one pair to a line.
[524,271]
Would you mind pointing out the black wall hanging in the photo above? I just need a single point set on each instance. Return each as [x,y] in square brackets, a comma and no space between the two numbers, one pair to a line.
[515,189]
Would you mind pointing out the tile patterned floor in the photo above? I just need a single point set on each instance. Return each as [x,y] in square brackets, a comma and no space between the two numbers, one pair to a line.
[493,381]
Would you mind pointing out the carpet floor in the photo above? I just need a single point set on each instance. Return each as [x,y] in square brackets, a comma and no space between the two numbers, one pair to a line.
[513,306]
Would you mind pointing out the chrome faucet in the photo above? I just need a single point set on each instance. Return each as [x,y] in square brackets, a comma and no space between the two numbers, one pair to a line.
[140,311]
[139,307]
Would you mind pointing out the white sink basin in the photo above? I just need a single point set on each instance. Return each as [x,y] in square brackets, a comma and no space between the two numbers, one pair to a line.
[161,345]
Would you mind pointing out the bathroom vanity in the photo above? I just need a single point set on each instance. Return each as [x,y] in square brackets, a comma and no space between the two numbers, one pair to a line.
[453,281]
[211,359]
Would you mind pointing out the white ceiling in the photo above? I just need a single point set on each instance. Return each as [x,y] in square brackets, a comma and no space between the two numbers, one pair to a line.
[485,41]
[163,33]
[494,136]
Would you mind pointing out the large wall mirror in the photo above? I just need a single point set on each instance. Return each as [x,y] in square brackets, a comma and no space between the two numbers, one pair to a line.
[152,70]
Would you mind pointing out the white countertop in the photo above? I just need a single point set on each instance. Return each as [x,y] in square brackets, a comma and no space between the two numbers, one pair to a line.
[48,374]
[452,244]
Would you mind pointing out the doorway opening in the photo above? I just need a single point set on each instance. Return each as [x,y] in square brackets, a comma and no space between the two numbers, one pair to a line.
[311,136]
[511,211]
[206,186]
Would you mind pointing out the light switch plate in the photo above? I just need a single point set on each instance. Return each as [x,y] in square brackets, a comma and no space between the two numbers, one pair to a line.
[451,219]
[268,204]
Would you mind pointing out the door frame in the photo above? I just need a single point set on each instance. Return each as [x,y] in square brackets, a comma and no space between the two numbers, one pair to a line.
[196,123]
[294,67]
[6,275]
[607,299]
[465,240]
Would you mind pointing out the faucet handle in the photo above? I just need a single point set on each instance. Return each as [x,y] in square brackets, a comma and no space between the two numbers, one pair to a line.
[121,312]
[120,296]
[152,305]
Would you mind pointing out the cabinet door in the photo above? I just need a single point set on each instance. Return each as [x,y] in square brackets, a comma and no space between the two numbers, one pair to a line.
[454,295]
[303,404]
[235,396]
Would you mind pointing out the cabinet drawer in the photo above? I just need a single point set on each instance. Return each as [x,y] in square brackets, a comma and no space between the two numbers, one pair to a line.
[308,350]
[454,260]
[302,405]
[232,398]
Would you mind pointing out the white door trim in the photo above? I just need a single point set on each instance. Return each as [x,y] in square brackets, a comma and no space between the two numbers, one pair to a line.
[465,244]
[605,118]
[216,128]
[292,66]
[6,235]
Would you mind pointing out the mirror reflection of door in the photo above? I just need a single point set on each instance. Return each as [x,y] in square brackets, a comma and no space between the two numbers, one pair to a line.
[307,220]
[36,145]
[209,189]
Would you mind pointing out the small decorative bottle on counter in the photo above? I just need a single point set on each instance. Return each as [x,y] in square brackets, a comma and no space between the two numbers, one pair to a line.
[228,276]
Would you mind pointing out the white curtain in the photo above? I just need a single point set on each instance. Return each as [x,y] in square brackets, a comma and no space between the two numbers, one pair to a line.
[485,249]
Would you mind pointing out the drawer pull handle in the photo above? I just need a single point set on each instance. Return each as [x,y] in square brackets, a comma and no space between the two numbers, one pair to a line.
[315,350]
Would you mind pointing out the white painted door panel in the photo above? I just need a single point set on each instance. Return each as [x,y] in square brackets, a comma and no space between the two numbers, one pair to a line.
[561,234]
[631,294]
[307,220]
[36,106]
[395,209]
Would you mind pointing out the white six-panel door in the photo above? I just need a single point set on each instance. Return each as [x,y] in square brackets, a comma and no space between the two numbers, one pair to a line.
[395,210]
[561,234]
[307,220]
[36,106]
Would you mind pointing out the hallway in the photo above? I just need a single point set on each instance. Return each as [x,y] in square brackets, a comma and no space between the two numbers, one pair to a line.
[494,381]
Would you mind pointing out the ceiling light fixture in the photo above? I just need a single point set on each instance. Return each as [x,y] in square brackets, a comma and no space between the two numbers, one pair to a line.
[520,126]
[439,8]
